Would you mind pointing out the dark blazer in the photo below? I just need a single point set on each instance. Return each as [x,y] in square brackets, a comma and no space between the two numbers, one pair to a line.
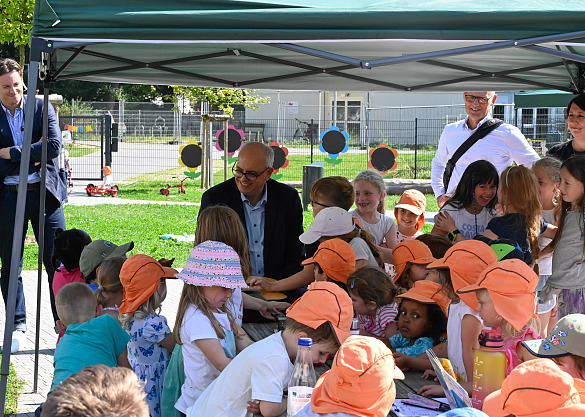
[283,251]
[55,183]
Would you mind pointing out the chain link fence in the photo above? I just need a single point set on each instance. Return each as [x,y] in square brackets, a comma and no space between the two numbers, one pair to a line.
[151,137]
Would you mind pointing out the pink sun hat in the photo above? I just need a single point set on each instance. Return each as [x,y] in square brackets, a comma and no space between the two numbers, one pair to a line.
[213,264]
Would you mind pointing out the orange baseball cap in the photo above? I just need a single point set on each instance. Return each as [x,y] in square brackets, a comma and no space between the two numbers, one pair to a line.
[415,202]
[428,292]
[413,251]
[466,260]
[140,275]
[360,382]
[511,285]
[336,258]
[536,388]
[324,302]
[107,170]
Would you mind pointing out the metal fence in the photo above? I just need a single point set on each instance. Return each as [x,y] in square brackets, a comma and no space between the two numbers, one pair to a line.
[151,137]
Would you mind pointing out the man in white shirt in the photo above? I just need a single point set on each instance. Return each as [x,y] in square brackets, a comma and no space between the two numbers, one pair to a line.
[502,146]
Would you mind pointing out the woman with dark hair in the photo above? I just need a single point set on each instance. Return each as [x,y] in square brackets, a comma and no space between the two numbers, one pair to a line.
[575,114]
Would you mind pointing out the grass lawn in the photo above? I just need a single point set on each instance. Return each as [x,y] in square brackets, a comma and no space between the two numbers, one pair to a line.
[80,150]
[144,223]
[13,390]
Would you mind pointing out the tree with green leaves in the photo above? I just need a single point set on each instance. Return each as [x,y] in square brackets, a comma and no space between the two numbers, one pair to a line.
[16,24]
[224,98]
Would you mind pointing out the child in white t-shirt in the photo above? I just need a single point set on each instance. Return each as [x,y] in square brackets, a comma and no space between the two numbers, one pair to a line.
[471,208]
[205,326]
[370,201]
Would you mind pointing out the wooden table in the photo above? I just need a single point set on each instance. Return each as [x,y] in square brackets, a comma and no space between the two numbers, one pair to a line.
[411,383]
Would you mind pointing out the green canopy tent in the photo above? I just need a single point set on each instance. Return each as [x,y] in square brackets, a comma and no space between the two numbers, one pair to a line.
[441,45]
[545,98]
[405,45]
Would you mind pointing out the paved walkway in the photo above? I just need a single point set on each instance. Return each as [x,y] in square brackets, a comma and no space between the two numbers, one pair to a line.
[23,361]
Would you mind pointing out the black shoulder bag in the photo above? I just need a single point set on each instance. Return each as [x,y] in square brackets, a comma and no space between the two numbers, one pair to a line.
[480,133]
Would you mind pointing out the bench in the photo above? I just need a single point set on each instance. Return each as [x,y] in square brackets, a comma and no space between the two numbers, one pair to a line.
[253,128]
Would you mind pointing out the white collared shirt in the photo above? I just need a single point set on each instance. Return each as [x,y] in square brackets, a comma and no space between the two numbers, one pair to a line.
[502,146]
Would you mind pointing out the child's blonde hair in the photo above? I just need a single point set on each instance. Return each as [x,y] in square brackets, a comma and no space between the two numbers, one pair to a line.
[507,328]
[335,190]
[520,188]
[108,279]
[372,284]
[193,294]
[221,223]
[218,223]
[75,303]
[551,166]
[151,306]
[377,181]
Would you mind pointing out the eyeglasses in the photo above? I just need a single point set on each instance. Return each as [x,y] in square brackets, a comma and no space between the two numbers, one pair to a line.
[319,204]
[481,100]
[250,176]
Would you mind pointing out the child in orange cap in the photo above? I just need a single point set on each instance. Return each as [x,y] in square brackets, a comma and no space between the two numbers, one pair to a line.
[461,266]
[255,379]
[373,294]
[410,215]
[410,260]
[108,177]
[536,388]
[143,278]
[360,382]
[334,261]
[506,298]
[422,318]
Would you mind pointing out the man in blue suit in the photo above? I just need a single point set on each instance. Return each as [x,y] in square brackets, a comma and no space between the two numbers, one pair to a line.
[11,138]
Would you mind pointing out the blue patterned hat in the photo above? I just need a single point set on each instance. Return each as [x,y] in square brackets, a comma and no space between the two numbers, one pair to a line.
[566,338]
[213,264]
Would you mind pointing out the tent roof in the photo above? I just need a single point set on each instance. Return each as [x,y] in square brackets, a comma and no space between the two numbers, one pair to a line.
[440,45]
[545,98]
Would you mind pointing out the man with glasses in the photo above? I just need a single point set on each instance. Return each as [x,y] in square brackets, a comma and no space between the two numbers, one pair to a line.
[502,146]
[270,211]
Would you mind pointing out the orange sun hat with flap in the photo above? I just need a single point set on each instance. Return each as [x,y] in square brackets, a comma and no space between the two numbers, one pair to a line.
[466,260]
[360,382]
[511,285]
[413,251]
[140,276]
[428,292]
[536,388]
[415,202]
[324,302]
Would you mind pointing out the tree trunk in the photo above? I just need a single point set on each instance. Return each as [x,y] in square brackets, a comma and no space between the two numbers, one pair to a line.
[21,56]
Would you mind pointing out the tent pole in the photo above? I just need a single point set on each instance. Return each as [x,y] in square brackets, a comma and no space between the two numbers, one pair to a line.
[41,241]
[33,71]
[226,131]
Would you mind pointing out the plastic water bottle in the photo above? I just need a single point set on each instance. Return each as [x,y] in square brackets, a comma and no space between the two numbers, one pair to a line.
[489,367]
[302,380]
